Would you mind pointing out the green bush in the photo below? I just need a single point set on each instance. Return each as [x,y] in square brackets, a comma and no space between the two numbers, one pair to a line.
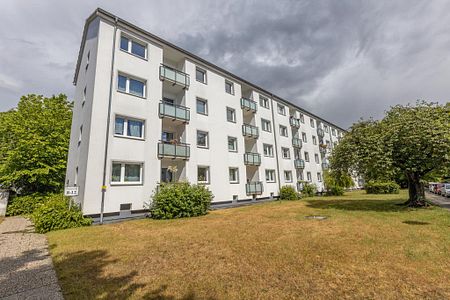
[25,205]
[55,214]
[382,187]
[335,191]
[288,192]
[309,189]
[180,200]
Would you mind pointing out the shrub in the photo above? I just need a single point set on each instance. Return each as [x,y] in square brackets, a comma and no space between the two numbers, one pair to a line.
[335,190]
[381,187]
[25,205]
[288,192]
[55,214]
[180,200]
[309,190]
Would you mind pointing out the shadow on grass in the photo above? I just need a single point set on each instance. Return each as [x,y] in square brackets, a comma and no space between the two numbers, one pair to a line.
[82,275]
[359,205]
[412,222]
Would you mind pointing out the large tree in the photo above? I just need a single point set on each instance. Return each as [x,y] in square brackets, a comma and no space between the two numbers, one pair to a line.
[413,140]
[34,140]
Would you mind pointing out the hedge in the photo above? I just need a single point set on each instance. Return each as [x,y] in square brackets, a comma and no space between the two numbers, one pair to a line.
[382,187]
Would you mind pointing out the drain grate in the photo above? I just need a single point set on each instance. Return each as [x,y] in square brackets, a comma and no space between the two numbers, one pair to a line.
[316,217]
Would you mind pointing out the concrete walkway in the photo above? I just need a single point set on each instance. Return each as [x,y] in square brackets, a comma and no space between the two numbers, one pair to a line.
[26,269]
[438,200]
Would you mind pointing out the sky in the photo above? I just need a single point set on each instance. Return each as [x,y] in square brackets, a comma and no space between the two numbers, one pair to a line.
[341,60]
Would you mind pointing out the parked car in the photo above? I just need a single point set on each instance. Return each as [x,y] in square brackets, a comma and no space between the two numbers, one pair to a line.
[445,190]
[439,188]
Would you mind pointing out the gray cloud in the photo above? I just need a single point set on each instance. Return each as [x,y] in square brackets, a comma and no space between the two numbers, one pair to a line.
[339,59]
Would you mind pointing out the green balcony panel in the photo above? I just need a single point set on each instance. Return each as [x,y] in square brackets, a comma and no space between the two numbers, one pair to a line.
[176,112]
[254,188]
[249,105]
[250,131]
[174,76]
[299,164]
[252,159]
[170,150]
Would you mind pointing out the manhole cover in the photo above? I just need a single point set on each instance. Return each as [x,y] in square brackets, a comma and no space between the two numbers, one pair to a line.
[316,217]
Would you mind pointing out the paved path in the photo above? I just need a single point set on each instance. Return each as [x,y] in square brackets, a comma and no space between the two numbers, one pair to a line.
[438,200]
[26,268]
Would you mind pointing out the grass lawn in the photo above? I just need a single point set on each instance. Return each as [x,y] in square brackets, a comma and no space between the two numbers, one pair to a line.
[369,247]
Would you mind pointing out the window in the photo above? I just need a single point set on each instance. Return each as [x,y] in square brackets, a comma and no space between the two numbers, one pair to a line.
[302,118]
[306,156]
[316,158]
[288,176]
[268,150]
[311,122]
[308,176]
[283,130]
[285,152]
[314,140]
[75,180]
[126,173]
[229,87]
[319,177]
[87,59]
[325,127]
[328,144]
[300,175]
[84,97]
[131,86]
[266,125]
[234,175]
[128,127]
[333,132]
[304,139]
[133,47]
[202,106]
[80,135]
[231,115]
[232,144]
[200,75]
[263,101]
[203,174]
[270,175]
[167,136]
[281,109]
[202,139]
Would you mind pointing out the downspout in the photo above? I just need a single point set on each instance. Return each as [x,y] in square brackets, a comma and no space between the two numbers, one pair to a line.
[105,162]
[276,145]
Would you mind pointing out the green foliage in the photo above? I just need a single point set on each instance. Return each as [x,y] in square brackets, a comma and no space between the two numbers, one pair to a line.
[309,189]
[25,205]
[34,140]
[410,140]
[335,190]
[379,187]
[288,192]
[180,200]
[55,214]
[335,182]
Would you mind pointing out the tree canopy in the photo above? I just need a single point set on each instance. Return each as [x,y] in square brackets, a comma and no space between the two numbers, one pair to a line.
[413,140]
[34,141]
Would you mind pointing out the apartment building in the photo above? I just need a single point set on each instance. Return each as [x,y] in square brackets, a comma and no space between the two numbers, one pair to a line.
[147,111]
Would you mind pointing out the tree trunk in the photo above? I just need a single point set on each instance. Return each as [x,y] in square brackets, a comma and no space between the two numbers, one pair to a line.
[416,191]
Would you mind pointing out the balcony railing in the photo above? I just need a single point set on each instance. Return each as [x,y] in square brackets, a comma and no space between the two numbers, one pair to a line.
[325,165]
[173,150]
[254,188]
[250,131]
[299,163]
[252,159]
[320,132]
[175,112]
[249,105]
[297,143]
[294,122]
[174,76]
[322,150]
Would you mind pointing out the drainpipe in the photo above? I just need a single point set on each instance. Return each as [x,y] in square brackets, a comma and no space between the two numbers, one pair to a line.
[105,161]
[276,145]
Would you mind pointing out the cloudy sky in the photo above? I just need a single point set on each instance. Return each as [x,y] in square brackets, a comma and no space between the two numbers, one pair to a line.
[339,59]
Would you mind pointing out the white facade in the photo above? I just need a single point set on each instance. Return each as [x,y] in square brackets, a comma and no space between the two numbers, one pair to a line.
[118,59]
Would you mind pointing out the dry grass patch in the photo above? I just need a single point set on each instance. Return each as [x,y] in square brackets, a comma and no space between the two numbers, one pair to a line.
[369,247]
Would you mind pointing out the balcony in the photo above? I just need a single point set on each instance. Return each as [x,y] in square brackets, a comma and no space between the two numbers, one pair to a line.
[249,105]
[294,122]
[320,132]
[250,131]
[297,143]
[173,150]
[323,150]
[254,188]
[325,165]
[174,112]
[174,76]
[299,163]
[252,159]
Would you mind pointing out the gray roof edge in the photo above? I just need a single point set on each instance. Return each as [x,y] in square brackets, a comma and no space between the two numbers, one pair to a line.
[103,13]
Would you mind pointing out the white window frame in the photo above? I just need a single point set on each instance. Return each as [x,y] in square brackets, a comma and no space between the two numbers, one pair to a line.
[125,127]
[269,147]
[288,178]
[314,140]
[235,144]
[129,47]
[281,109]
[264,102]
[308,176]
[319,177]
[302,118]
[205,79]
[312,123]
[306,155]
[304,137]
[236,170]
[333,131]
[270,175]
[284,151]
[208,175]
[283,129]
[233,114]
[198,99]
[122,173]
[325,127]
[127,85]
[207,139]
[316,158]
[268,127]
[231,85]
